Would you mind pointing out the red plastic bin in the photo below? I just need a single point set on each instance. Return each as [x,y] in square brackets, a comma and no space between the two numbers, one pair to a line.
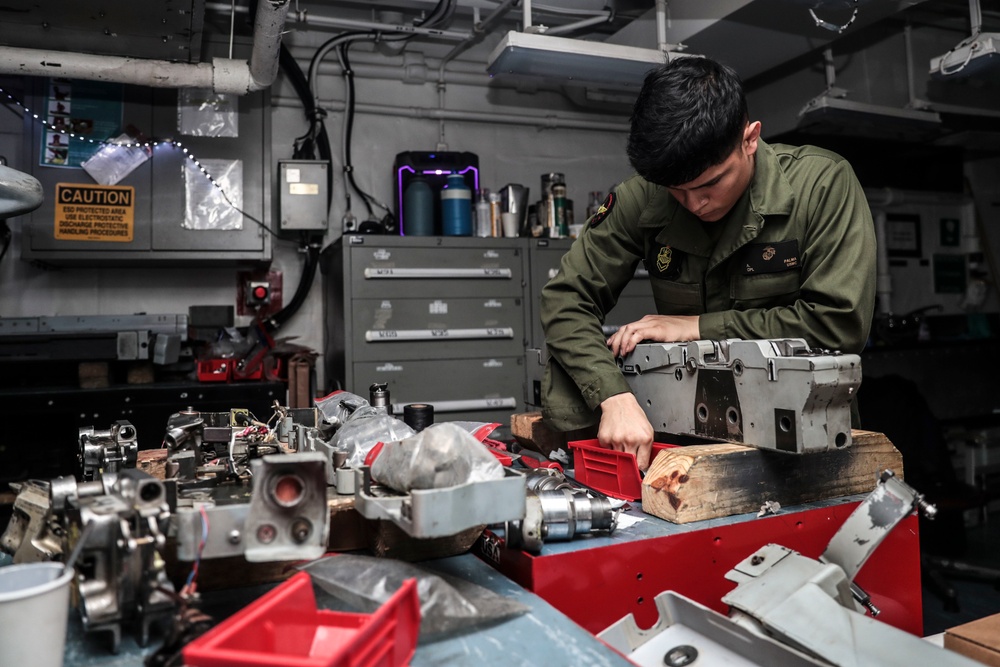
[214,370]
[283,628]
[611,472]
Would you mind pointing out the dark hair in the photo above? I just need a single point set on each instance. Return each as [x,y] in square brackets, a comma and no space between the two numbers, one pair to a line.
[689,116]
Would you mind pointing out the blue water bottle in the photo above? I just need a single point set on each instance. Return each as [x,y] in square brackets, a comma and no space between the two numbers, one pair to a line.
[456,207]
[418,208]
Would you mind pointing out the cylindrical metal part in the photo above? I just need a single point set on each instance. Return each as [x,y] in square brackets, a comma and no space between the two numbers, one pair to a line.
[418,416]
[378,395]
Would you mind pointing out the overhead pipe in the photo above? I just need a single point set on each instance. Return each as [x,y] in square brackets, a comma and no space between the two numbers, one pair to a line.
[222,75]
[550,121]
[578,25]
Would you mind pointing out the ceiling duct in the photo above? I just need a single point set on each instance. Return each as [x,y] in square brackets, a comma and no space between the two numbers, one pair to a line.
[223,75]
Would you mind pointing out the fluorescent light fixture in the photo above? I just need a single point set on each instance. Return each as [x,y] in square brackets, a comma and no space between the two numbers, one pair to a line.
[574,61]
[837,115]
[973,56]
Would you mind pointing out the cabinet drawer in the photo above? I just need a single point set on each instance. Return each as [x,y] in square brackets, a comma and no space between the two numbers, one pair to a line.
[437,328]
[378,271]
[484,385]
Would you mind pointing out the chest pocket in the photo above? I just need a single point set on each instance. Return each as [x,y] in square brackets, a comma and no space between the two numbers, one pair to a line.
[673,298]
[765,290]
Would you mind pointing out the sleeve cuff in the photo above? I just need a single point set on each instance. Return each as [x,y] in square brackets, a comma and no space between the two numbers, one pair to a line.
[712,326]
[605,386]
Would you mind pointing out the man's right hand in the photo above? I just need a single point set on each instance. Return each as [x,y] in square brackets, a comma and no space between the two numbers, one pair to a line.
[625,428]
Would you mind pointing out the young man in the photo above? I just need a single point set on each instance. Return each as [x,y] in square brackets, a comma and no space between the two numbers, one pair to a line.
[741,240]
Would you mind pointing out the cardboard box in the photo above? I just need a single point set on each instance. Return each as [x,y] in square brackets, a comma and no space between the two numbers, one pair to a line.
[979,640]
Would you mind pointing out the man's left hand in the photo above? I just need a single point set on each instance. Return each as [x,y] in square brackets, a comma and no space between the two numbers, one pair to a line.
[655,328]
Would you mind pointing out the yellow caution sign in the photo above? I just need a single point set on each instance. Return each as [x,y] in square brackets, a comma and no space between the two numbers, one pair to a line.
[94,212]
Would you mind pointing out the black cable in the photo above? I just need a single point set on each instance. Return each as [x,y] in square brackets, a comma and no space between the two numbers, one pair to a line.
[349,127]
[275,321]
[317,139]
[5,235]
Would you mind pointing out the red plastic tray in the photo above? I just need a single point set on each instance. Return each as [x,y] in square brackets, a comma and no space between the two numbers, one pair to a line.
[283,628]
[611,472]
[214,370]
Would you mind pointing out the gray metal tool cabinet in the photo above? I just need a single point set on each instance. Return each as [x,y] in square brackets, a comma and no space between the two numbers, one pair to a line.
[441,320]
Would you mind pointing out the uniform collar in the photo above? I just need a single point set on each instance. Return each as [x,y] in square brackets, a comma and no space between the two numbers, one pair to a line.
[769,194]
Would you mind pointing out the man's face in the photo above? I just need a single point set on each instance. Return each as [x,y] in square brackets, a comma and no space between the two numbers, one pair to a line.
[717,189]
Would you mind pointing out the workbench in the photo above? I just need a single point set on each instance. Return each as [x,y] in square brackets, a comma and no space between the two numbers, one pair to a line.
[598,579]
[543,636]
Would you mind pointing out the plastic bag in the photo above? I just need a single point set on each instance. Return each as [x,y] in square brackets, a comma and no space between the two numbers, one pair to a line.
[440,456]
[338,406]
[447,604]
[365,428]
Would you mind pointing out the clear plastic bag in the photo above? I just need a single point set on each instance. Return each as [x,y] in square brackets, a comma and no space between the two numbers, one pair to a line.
[440,456]
[362,430]
[447,604]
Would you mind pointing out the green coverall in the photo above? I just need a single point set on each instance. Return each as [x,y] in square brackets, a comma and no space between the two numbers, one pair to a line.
[794,258]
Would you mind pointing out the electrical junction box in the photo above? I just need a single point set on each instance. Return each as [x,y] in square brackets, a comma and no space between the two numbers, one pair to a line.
[303,194]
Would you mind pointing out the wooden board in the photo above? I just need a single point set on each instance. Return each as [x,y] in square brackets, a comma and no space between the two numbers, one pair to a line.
[529,430]
[710,481]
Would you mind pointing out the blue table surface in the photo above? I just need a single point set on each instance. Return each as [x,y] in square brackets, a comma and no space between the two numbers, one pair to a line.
[542,636]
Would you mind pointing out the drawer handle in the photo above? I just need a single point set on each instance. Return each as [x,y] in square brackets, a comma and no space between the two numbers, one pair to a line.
[388,273]
[390,335]
[505,403]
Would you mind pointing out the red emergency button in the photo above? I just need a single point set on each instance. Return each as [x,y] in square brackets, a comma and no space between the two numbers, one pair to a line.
[260,293]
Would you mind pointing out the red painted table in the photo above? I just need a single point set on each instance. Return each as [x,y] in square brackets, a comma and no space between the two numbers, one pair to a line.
[596,580]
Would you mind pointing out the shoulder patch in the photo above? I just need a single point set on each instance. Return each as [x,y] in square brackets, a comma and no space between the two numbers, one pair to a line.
[604,210]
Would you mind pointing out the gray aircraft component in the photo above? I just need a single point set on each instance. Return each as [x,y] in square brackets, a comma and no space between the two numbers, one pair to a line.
[775,394]
[788,609]
[441,512]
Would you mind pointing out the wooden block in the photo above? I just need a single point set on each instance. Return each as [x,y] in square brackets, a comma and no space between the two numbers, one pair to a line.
[698,482]
[94,375]
[387,540]
[153,462]
[140,372]
[529,430]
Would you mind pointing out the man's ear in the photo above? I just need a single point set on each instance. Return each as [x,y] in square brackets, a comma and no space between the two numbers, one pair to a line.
[750,136]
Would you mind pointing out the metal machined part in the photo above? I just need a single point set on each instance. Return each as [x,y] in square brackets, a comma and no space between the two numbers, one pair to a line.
[775,394]
[447,511]
[120,571]
[559,514]
[288,516]
[108,451]
[31,534]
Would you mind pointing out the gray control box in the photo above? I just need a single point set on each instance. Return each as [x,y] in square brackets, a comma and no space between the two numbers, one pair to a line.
[303,194]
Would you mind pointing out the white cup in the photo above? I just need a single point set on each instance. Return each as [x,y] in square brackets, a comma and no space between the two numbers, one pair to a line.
[509,223]
[34,610]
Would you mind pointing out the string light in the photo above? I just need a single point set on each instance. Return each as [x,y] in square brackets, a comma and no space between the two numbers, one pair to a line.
[149,144]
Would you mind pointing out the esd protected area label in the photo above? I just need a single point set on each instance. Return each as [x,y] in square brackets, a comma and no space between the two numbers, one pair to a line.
[94,212]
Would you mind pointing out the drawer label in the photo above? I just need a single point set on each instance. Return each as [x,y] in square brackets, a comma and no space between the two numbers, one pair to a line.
[493,363]
[380,272]
[438,308]
[388,367]
[378,335]
[493,303]
[382,254]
